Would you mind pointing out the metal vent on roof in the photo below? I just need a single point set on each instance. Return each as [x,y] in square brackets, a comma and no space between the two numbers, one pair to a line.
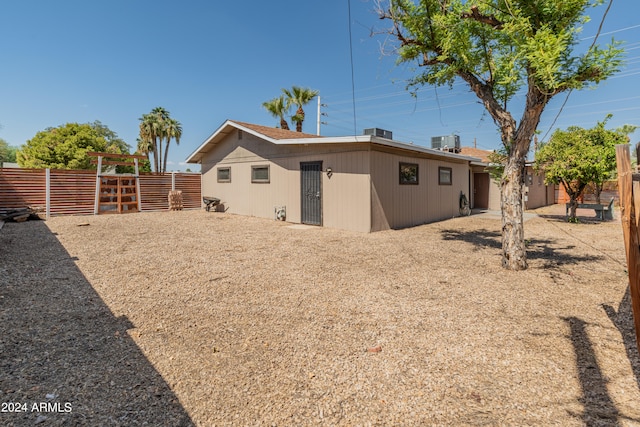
[449,143]
[387,134]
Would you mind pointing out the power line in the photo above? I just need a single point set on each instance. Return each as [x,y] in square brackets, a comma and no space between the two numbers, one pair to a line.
[391,101]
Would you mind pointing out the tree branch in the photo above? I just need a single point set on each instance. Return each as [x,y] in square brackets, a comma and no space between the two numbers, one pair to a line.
[484,19]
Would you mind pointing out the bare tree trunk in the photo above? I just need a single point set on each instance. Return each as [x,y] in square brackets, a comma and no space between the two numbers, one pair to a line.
[155,155]
[598,190]
[300,114]
[573,207]
[159,165]
[514,252]
[166,154]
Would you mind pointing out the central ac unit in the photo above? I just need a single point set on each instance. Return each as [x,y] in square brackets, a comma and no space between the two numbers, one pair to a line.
[280,213]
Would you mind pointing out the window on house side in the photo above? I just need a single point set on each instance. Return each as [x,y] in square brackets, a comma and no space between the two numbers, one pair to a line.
[224,174]
[408,174]
[445,176]
[239,133]
[260,174]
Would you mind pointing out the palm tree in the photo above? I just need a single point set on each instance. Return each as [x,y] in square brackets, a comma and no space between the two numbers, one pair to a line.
[173,130]
[145,148]
[278,107]
[299,96]
[155,127]
[149,131]
[162,117]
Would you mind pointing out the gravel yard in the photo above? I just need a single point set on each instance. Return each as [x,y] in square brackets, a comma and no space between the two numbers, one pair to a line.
[207,319]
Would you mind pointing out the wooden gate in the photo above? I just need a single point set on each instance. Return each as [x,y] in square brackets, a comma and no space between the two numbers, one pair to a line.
[118,194]
[311,192]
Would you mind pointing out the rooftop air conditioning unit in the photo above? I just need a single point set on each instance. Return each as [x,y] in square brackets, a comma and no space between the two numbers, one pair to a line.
[446,143]
[386,134]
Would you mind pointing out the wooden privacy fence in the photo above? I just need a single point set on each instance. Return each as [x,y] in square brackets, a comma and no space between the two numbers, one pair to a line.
[73,192]
[629,187]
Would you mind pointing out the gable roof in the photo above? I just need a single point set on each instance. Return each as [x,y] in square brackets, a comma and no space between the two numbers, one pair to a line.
[276,133]
[286,137]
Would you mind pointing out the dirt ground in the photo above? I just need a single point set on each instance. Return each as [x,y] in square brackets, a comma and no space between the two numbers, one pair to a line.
[196,318]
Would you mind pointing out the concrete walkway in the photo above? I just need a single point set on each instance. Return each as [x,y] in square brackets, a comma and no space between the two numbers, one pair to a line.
[484,213]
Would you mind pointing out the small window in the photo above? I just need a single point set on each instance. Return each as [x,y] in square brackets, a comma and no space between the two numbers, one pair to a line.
[240,134]
[260,174]
[408,174]
[444,176]
[224,174]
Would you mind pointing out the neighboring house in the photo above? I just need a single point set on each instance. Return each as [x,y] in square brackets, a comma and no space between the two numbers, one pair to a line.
[361,183]
[486,192]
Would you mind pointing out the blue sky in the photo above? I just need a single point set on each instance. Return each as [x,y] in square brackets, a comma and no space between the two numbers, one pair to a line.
[204,61]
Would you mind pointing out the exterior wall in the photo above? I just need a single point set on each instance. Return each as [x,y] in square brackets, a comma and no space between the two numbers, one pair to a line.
[398,206]
[363,192]
[538,194]
[492,198]
[345,195]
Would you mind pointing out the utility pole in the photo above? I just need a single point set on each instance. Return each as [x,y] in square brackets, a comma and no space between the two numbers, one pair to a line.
[320,114]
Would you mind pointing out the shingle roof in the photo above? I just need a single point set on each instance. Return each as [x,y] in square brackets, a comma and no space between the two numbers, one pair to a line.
[287,137]
[275,133]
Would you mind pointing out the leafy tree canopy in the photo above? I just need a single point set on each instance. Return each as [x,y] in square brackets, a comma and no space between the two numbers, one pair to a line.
[66,146]
[500,48]
[576,157]
[7,152]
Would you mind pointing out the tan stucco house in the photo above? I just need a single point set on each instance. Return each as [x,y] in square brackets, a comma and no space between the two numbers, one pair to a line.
[486,192]
[362,183]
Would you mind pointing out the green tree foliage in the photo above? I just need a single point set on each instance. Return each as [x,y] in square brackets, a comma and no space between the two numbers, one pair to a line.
[155,127]
[279,108]
[66,146]
[577,157]
[5,152]
[299,96]
[499,48]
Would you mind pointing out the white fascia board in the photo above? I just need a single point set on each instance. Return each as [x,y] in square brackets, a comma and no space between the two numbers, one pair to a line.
[421,149]
[206,141]
[324,140]
[478,162]
[330,140]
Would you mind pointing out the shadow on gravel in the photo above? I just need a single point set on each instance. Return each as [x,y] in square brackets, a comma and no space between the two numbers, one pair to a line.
[547,250]
[64,358]
[623,321]
[599,409]
[582,219]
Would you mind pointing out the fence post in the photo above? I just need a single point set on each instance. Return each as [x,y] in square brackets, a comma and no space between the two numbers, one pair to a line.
[626,186]
[96,206]
[47,193]
[173,180]
[138,195]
